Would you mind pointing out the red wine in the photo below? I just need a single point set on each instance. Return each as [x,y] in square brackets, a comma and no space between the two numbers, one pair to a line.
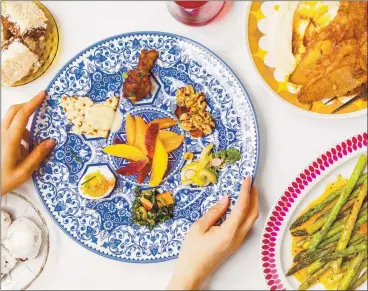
[191,4]
[195,13]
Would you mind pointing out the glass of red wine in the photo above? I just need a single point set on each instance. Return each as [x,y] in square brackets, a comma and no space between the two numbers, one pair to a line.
[195,13]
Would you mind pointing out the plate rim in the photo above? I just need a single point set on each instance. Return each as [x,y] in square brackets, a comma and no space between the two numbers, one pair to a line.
[295,190]
[127,34]
[270,91]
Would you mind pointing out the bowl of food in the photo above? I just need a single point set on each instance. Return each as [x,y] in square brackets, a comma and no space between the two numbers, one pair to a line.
[311,54]
[29,41]
[24,242]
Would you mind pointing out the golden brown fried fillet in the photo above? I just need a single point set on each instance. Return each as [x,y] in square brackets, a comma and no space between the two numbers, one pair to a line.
[336,61]
[338,82]
[363,49]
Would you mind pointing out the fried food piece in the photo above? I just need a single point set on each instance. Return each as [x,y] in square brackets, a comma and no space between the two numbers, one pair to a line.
[339,82]
[138,84]
[147,59]
[335,61]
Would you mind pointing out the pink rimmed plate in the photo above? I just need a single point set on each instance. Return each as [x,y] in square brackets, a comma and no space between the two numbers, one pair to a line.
[276,255]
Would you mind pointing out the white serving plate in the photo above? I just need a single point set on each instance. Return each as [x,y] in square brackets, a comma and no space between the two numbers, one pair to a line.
[276,256]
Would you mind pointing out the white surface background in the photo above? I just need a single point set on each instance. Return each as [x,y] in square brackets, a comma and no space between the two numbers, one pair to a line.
[289,142]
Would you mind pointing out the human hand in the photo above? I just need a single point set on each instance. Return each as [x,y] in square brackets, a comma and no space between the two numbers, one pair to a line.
[206,246]
[16,164]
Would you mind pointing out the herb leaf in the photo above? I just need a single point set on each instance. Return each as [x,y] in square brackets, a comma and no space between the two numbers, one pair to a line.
[229,156]
[232,155]
[75,156]
[88,180]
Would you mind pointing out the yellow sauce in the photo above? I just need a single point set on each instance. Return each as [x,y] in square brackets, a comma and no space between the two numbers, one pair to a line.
[321,12]
[96,184]
[302,275]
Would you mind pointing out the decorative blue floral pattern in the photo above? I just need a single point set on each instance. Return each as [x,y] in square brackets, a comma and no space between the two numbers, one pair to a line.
[104,226]
[74,154]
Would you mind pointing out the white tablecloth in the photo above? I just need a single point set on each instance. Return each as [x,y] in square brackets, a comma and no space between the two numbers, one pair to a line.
[289,141]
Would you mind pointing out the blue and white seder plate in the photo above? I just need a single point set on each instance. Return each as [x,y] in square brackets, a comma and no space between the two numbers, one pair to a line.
[104,226]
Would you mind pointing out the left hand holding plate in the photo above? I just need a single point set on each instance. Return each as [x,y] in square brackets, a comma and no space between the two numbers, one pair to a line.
[16,164]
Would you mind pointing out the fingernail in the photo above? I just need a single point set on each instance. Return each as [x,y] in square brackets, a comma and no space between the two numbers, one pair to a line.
[224,199]
[50,144]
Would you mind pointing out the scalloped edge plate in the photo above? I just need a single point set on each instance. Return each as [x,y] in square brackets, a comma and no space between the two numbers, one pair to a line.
[273,93]
[279,218]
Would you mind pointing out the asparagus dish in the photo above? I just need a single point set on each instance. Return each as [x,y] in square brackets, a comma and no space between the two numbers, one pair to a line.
[329,238]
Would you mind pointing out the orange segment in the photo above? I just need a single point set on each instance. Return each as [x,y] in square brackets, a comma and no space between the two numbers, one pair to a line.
[159,164]
[125,151]
[130,129]
[165,122]
[173,143]
[140,133]
[165,134]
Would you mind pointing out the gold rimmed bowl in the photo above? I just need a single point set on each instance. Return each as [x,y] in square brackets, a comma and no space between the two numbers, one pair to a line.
[49,51]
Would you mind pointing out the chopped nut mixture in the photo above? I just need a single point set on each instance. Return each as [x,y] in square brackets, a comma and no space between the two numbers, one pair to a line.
[191,111]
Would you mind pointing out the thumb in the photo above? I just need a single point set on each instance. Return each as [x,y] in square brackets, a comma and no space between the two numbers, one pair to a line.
[34,159]
[214,214]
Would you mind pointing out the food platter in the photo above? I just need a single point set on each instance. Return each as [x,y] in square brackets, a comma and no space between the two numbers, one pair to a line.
[268,35]
[276,241]
[104,226]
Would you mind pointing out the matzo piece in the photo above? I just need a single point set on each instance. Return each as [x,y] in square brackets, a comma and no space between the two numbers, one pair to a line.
[76,109]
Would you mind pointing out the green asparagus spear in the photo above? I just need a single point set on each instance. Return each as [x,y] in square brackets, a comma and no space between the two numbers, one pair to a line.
[334,278]
[337,236]
[346,252]
[311,279]
[338,226]
[346,234]
[356,238]
[346,207]
[301,255]
[301,232]
[309,261]
[360,281]
[340,201]
[332,239]
[353,268]
[362,266]
[315,266]
[313,228]
[315,209]
[300,220]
